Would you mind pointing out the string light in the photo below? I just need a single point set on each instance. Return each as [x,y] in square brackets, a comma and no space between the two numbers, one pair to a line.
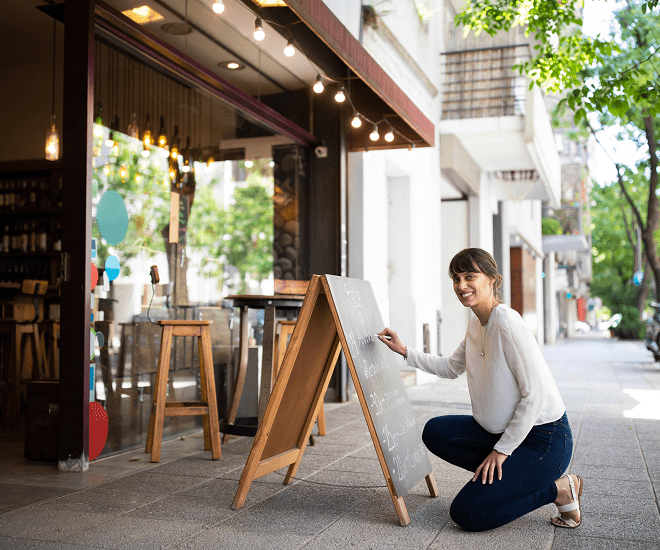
[340,96]
[373,136]
[146,137]
[289,50]
[318,85]
[357,121]
[411,151]
[162,138]
[249,164]
[218,6]
[259,33]
[389,136]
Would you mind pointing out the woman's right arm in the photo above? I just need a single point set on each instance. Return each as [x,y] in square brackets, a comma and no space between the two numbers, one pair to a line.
[444,367]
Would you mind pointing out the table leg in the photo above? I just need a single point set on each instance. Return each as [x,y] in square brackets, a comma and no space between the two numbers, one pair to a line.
[242,368]
[267,359]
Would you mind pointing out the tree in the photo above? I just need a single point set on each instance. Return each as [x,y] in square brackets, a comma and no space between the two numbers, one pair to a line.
[608,82]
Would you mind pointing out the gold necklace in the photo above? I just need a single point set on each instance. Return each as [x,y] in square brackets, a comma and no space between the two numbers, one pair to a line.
[482,338]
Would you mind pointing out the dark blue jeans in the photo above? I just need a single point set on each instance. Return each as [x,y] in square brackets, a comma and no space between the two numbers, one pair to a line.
[528,475]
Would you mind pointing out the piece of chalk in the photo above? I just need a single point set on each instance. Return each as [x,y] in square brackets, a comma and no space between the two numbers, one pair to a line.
[384,336]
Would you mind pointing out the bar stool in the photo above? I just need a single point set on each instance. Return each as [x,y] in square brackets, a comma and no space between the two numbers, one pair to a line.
[207,407]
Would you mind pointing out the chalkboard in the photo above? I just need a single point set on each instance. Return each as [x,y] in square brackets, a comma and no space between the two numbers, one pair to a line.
[378,370]
[340,313]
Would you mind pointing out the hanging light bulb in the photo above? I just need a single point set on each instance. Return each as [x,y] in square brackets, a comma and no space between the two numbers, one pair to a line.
[249,164]
[340,96]
[210,161]
[123,172]
[174,151]
[367,153]
[373,136]
[138,178]
[162,138]
[52,141]
[357,121]
[218,6]
[389,136]
[132,129]
[147,139]
[259,33]
[318,85]
[411,151]
[186,166]
[289,50]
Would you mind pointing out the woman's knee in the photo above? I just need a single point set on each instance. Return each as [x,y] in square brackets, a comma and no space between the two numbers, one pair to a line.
[465,515]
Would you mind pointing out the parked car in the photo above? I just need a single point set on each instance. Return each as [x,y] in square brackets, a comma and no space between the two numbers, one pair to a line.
[652,339]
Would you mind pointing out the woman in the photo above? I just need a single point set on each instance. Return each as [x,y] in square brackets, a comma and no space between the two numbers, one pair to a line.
[518,441]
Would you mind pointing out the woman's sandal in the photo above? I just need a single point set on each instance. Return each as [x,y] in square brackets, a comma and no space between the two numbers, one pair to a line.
[569,523]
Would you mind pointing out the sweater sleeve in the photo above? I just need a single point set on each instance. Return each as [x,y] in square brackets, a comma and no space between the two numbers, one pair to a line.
[443,367]
[521,352]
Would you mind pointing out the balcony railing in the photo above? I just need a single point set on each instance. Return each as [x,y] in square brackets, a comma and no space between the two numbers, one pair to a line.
[481,83]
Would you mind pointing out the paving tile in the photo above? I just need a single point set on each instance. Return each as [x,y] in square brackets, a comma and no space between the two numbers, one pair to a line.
[47,524]
[149,482]
[134,533]
[195,509]
[11,543]
[226,537]
[529,532]
[16,495]
[100,500]
[358,529]
[224,491]
[609,525]
[569,539]
[270,516]
[199,465]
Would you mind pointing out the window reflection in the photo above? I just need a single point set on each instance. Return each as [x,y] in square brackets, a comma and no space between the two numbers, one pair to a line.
[210,231]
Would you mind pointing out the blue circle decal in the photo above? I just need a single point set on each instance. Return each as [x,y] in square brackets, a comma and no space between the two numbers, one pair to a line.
[112,267]
[112,217]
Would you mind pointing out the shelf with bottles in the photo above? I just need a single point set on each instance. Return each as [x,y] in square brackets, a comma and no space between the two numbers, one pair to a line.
[30,221]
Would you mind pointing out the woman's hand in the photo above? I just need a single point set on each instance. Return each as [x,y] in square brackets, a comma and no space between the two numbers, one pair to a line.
[487,468]
[394,344]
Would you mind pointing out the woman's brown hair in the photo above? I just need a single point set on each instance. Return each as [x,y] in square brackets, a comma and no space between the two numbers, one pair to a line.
[476,260]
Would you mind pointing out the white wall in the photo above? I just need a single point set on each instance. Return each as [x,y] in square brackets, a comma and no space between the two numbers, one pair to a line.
[455,316]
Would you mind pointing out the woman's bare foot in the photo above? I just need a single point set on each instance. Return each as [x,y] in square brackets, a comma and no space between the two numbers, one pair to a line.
[568,518]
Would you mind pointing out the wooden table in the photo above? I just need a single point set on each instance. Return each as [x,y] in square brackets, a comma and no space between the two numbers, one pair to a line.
[270,304]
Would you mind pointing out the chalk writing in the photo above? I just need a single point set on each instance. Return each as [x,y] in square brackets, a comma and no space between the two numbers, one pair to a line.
[352,344]
[400,427]
[411,460]
[377,404]
[371,367]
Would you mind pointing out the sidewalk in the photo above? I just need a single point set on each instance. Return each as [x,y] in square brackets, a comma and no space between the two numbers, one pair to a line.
[612,393]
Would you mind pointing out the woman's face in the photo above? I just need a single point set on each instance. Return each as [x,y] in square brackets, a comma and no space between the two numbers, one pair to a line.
[473,288]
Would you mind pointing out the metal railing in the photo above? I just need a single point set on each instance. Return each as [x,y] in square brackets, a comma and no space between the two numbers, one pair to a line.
[481,82]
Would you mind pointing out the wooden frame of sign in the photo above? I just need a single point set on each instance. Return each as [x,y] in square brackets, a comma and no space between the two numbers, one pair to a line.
[339,313]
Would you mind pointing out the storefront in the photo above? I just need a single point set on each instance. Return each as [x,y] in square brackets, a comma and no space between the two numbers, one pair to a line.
[223,178]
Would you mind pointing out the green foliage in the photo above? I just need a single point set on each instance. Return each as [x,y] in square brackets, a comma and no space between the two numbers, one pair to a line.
[550,226]
[238,235]
[145,188]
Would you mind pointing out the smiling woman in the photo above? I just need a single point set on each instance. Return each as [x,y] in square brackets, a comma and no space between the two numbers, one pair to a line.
[518,436]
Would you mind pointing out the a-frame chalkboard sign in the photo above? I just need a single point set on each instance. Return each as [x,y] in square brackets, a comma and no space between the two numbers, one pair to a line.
[340,313]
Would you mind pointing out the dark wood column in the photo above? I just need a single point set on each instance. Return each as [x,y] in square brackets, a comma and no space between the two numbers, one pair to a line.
[76,234]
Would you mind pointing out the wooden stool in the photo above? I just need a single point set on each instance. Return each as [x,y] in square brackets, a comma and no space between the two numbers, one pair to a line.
[207,407]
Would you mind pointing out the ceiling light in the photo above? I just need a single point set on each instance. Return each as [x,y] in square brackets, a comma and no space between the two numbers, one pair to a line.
[218,6]
[374,133]
[232,65]
[259,33]
[142,15]
[357,121]
[318,85]
[52,141]
[340,96]
[289,50]
[177,29]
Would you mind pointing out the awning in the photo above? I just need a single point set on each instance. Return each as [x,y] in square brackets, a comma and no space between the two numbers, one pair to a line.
[372,80]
